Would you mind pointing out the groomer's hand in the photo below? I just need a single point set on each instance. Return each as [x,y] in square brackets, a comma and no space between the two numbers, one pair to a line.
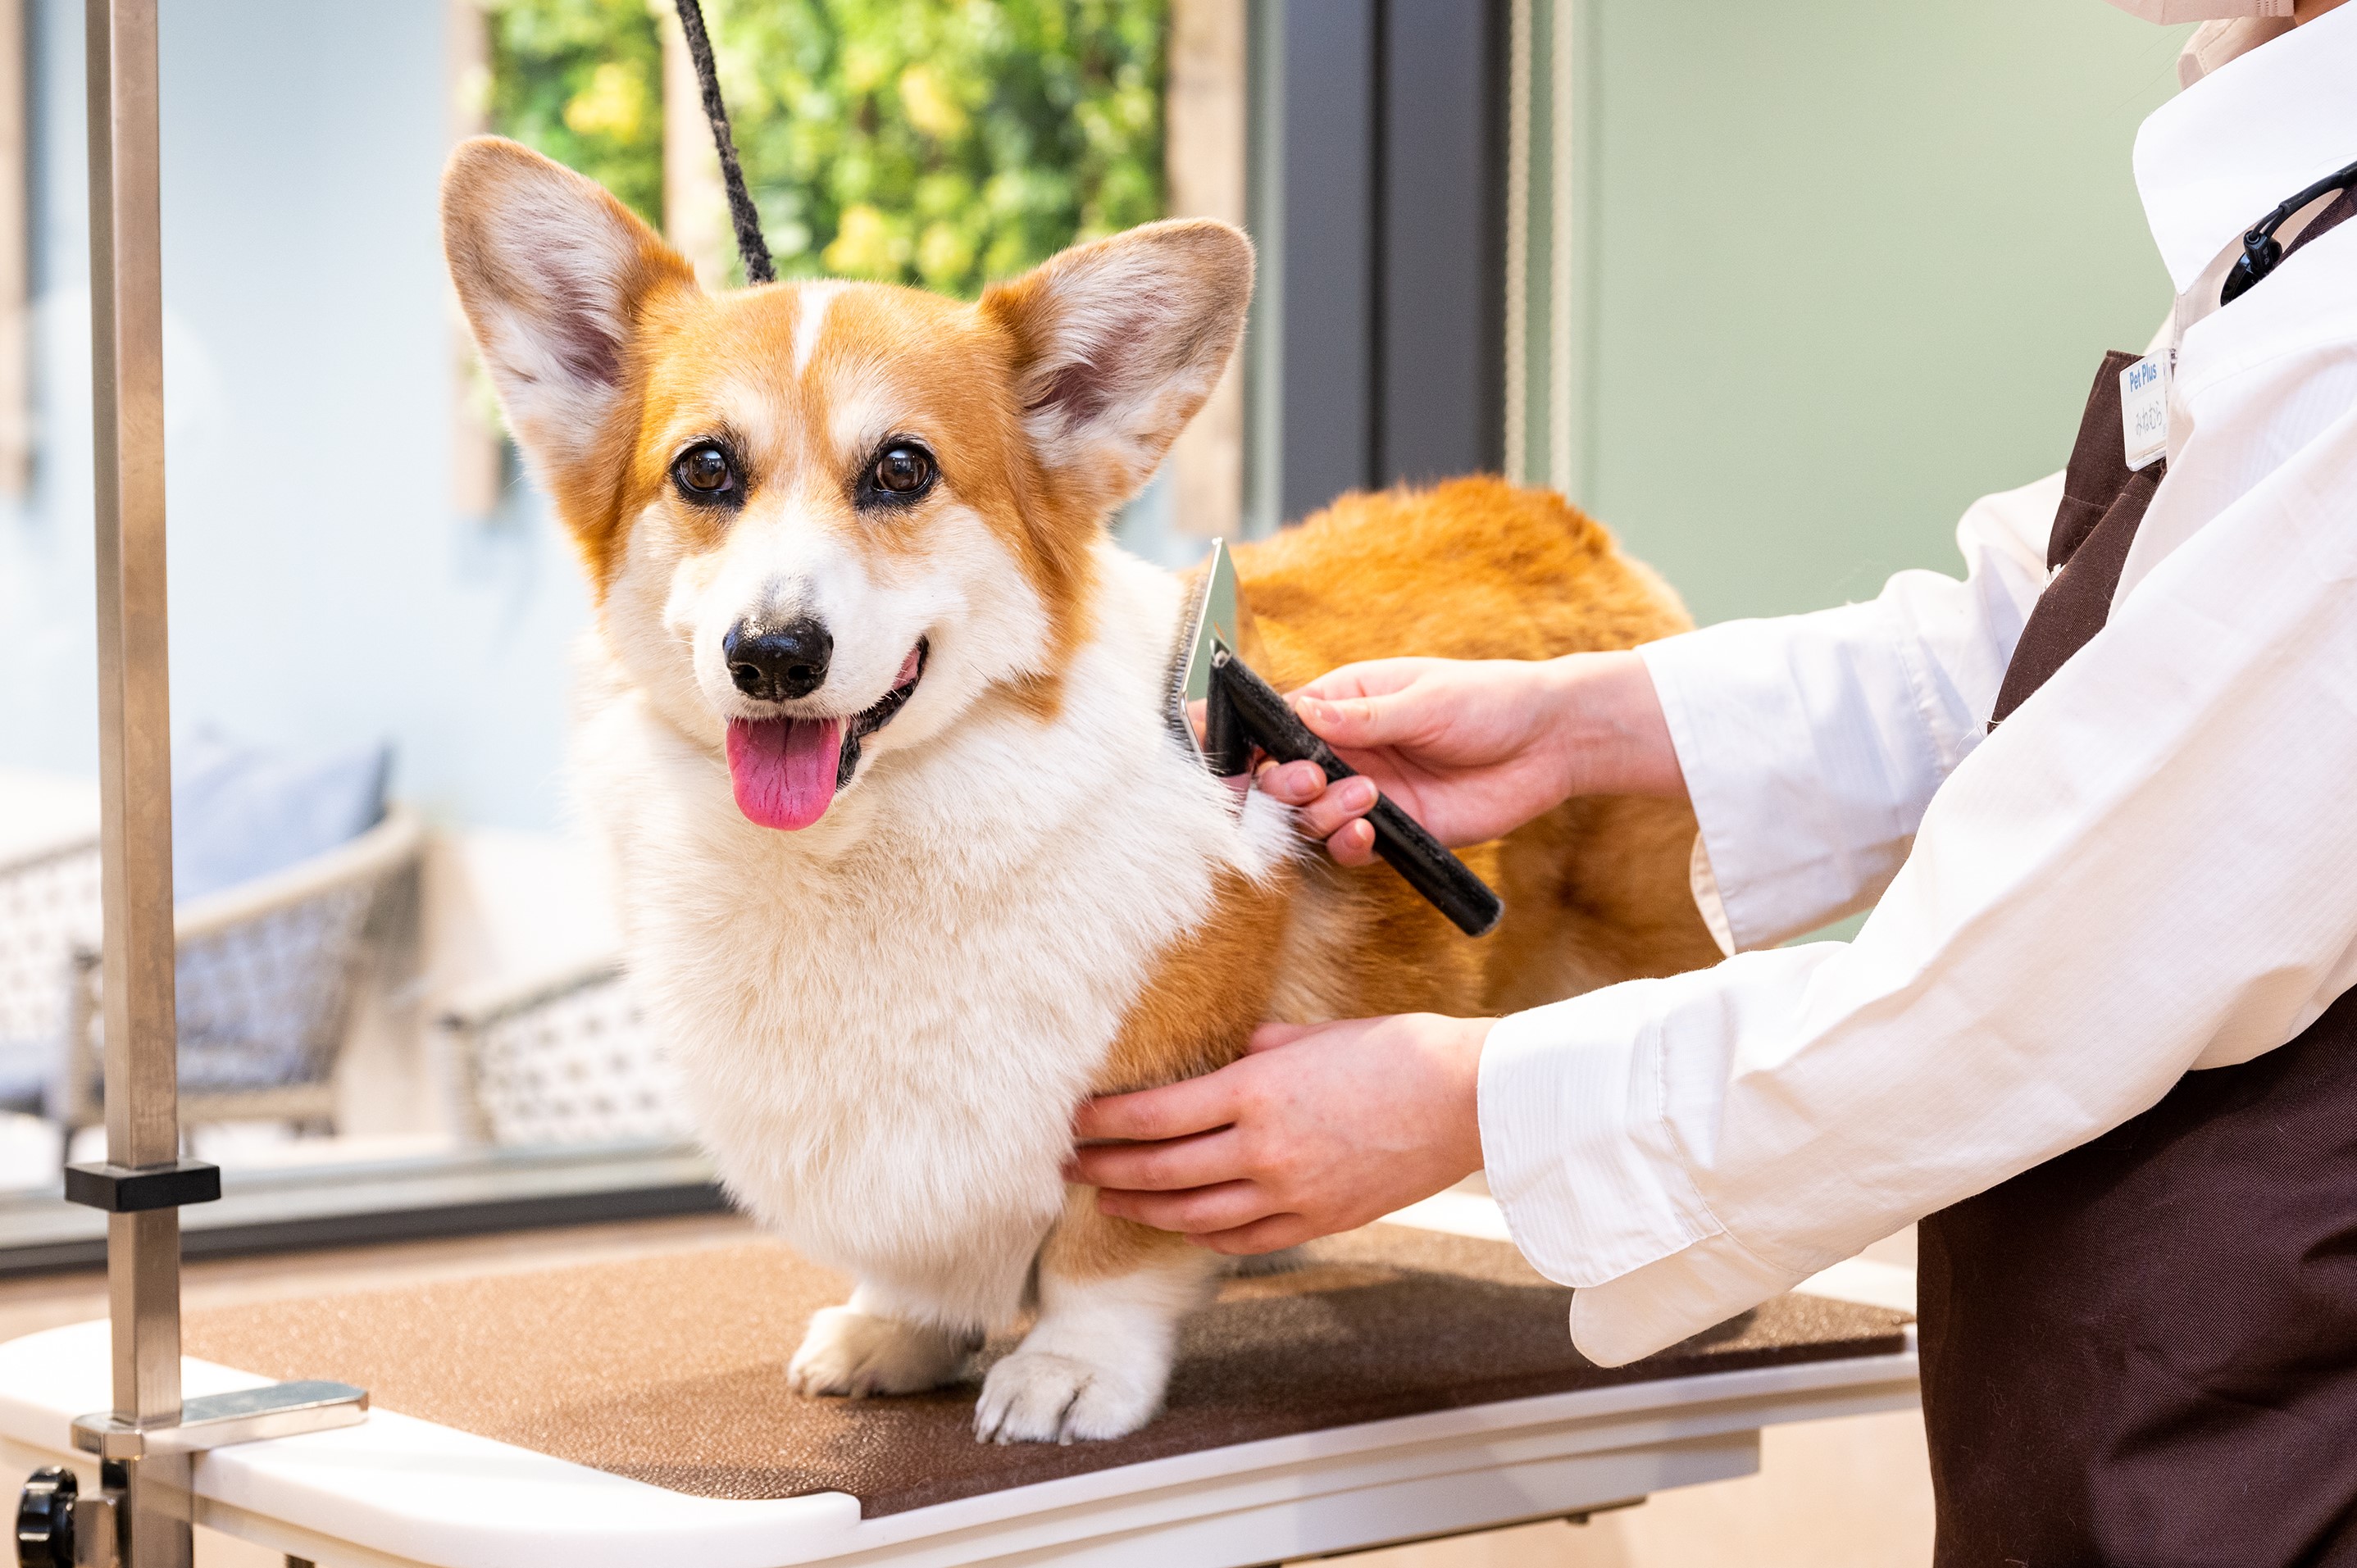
[1318,1129]
[1473,749]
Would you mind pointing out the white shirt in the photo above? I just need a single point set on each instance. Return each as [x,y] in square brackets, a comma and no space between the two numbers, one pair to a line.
[2150,868]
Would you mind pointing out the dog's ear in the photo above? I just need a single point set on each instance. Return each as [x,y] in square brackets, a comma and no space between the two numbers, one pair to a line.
[556,277]
[1117,344]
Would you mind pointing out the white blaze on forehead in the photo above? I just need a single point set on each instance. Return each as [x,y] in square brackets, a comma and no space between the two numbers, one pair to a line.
[861,411]
[811,300]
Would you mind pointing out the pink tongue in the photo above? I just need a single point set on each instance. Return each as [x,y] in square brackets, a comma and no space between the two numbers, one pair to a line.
[784,769]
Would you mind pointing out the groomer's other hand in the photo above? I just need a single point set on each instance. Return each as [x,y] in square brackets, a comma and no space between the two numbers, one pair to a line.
[1474,749]
[1318,1129]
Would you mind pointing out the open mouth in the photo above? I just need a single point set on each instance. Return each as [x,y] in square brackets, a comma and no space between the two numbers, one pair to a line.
[786,771]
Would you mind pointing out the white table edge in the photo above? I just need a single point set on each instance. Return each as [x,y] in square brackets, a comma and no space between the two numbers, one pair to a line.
[405,1490]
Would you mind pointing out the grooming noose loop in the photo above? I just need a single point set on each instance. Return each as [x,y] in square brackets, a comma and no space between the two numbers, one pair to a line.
[751,248]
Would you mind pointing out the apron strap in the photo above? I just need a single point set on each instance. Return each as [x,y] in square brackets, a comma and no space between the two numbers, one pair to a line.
[2102,502]
[2343,209]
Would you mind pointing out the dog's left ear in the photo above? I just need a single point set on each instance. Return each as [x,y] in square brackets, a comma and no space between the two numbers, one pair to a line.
[1117,344]
[557,279]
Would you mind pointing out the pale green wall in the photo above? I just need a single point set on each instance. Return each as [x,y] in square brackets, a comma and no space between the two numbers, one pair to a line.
[1853,263]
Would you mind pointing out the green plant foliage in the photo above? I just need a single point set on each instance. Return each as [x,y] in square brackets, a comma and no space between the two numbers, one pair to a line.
[945,143]
[582,81]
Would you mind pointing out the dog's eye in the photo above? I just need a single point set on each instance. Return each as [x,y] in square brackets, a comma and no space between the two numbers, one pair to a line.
[902,471]
[705,473]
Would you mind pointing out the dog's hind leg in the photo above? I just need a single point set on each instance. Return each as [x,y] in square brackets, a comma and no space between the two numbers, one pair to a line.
[862,1348]
[1094,1366]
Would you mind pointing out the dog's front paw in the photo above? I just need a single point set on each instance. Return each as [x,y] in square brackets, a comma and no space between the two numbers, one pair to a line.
[857,1353]
[1041,1396]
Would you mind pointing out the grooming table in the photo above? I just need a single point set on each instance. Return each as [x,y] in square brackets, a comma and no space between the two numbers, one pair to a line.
[1403,1384]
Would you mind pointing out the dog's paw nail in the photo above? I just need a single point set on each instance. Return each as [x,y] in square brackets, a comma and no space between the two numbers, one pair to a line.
[1035,1396]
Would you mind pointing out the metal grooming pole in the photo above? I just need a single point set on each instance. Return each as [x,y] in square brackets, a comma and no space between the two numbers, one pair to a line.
[141,1518]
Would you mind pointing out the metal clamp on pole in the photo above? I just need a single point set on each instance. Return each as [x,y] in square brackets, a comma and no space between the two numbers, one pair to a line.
[216,1420]
[141,1518]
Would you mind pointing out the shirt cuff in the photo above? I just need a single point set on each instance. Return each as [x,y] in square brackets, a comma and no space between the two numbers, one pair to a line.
[1703,883]
[1577,1141]
[1583,1162]
[1653,1308]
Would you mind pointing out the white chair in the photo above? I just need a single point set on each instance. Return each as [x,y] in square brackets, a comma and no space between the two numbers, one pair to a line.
[268,972]
[563,1059]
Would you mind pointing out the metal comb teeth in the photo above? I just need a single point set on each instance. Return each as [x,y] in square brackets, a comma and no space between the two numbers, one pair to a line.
[1208,623]
[1176,673]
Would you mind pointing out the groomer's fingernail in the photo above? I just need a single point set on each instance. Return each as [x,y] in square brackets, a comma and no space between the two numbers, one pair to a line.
[1357,795]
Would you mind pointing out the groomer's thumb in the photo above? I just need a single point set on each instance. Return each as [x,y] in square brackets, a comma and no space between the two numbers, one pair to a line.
[1352,722]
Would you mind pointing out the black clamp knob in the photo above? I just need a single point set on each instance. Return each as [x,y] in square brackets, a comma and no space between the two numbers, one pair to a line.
[45,1519]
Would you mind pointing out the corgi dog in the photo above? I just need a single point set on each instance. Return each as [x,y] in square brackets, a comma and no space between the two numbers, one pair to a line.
[872,723]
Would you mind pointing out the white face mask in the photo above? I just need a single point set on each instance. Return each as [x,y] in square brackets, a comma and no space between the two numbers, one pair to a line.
[2166,11]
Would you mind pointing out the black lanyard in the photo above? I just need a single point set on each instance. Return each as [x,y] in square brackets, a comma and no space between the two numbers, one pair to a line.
[2262,250]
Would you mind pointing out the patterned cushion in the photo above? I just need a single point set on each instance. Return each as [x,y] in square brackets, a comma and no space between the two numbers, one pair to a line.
[258,1002]
[239,812]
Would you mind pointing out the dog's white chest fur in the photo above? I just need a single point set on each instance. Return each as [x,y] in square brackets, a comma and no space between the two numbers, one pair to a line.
[884,1022]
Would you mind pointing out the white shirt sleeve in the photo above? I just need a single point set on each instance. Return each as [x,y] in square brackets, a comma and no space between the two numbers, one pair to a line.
[2150,868]
[1811,744]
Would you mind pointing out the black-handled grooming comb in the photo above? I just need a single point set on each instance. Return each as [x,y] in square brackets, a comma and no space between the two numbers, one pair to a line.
[1426,864]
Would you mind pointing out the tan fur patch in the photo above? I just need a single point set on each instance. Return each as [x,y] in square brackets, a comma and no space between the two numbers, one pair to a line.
[1089,1245]
[1208,994]
[1595,890]
[1039,697]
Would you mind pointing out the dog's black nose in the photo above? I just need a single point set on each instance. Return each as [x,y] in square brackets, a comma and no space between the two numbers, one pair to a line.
[776,664]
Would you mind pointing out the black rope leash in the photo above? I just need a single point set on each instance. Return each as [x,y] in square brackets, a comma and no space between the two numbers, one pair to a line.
[750,246]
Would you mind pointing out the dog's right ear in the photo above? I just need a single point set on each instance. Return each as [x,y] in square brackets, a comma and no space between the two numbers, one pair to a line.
[1117,343]
[556,277]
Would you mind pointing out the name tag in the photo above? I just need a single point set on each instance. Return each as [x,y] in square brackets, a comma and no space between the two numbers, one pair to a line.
[2144,410]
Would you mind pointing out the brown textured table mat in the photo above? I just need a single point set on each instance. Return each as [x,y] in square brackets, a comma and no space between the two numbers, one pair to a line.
[672,1370]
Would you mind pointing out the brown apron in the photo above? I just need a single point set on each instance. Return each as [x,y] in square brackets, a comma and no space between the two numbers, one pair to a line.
[2144,1352]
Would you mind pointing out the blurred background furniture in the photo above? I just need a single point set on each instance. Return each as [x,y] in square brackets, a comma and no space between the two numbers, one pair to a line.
[48,906]
[295,881]
[267,972]
[563,1059]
